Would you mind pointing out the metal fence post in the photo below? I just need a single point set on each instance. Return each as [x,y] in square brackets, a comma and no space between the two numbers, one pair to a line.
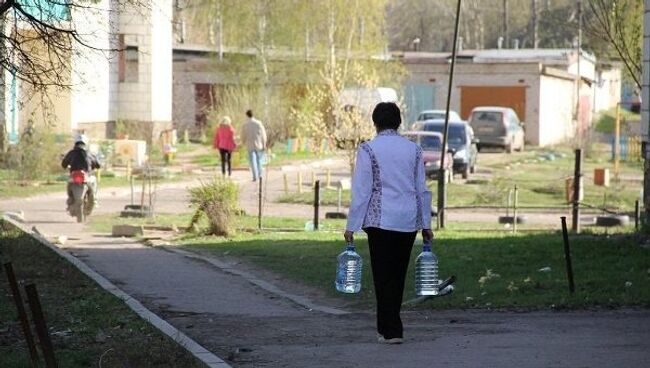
[577,175]
[316,203]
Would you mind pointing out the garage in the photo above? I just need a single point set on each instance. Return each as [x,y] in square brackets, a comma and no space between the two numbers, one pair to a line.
[473,96]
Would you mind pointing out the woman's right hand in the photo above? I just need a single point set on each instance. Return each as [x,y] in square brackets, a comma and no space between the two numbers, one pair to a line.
[427,235]
[349,236]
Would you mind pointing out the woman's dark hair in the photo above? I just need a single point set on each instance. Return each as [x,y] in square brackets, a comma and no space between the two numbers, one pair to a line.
[249,113]
[386,116]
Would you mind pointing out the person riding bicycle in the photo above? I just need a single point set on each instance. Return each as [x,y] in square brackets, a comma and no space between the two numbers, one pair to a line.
[80,159]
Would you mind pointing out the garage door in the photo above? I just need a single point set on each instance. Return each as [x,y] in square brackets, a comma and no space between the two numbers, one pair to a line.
[513,97]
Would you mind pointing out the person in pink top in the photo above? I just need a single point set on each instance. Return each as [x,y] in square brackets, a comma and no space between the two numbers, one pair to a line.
[224,141]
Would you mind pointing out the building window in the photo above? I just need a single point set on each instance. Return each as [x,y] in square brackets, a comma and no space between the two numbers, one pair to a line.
[128,61]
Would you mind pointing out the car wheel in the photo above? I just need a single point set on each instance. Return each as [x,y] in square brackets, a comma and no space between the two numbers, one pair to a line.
[472,169]
[509,148]
[478,148]
[466,171]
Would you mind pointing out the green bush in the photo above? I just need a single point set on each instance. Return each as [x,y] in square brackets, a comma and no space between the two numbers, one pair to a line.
[218,200]
[37,156]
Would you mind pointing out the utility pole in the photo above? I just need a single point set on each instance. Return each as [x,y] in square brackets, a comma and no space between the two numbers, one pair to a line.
[579,77]
[535,20]
[220,29]
[3,89]
[506,33]
[645,111]
[442,173]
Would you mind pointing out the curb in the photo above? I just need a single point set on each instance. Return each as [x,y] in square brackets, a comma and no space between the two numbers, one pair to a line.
[198,351]
[267,286]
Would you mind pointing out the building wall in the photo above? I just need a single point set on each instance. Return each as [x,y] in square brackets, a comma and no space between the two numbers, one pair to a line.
[161,61]
[608,90]
[188,72]
[556,109]
[134,97]
[144,103]
[90,93]
[645,95]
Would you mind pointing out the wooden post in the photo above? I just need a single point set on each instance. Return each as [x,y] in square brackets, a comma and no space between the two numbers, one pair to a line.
[567,256]
[617,141]
[316,203]
[259,206]
[299,181]
[286,183]
[328,181]
[22,315]
[514,211]
[41,327]
[577,175]
[132,189]
[637,215]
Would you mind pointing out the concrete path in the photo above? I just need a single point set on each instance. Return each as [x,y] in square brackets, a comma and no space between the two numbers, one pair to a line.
[249,326]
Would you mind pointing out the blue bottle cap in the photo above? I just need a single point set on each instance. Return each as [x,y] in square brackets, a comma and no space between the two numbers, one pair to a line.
[426,246]
[350,246]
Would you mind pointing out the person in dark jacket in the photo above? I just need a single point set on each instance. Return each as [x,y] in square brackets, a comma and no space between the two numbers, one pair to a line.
[80,159]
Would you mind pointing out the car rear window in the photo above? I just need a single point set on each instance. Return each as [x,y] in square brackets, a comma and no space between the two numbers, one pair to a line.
[430,143]
[431,116]
[456,132]
[487,117]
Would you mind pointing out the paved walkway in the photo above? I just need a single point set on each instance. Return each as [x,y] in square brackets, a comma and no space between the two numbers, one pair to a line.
[250,326]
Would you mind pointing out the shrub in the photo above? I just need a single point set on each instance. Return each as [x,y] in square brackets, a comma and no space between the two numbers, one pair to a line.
[218,200]
[36,156]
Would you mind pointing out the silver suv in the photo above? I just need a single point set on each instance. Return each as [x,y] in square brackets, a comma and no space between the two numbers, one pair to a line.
[497,127]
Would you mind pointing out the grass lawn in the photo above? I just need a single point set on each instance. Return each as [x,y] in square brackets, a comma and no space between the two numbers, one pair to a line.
[247,224]
[493,269]
[541,182]
[85,322]
[11,188]
[279,151]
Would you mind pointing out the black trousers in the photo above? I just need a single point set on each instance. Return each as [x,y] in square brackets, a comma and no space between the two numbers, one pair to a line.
[225,160]
[390,252]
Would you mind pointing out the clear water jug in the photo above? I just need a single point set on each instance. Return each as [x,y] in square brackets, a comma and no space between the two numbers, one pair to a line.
[348,271]
[426,272]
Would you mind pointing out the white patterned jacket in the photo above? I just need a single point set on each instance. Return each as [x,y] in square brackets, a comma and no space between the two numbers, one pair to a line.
[389,186]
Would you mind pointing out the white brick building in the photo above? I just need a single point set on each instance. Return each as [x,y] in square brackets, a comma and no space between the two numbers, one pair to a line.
[132,86]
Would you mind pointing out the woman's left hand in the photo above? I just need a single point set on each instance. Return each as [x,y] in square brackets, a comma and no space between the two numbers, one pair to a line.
[349,236]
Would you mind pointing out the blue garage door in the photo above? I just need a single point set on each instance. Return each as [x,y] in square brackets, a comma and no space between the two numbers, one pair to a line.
[418,97]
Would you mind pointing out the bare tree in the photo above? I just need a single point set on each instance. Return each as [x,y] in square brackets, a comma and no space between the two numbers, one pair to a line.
[619,23]
[39,38]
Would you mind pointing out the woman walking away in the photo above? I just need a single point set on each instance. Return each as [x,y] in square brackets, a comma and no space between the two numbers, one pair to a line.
[390,202]
[224,141]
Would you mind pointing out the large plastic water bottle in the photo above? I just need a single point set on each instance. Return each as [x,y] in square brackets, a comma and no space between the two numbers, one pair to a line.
[426,272]
[348,271]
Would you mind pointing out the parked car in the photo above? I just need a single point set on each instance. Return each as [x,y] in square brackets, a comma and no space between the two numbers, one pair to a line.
[460,140]
[431,144]
[497,127]
[437,115]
